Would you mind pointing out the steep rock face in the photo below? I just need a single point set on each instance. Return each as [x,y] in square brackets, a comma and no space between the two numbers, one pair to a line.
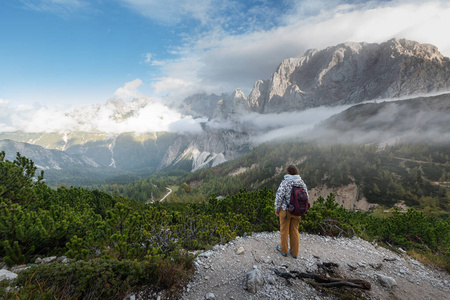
[200,105]
[212,147]
[352,73]
[216,107]
[230,107]
[222,139]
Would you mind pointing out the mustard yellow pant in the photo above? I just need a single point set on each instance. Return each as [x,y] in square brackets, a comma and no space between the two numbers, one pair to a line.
[289,231]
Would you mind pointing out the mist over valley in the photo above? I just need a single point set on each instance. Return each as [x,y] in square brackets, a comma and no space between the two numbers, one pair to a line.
[352,93]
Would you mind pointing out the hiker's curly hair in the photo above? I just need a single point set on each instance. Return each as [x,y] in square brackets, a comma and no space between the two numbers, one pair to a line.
[292,170]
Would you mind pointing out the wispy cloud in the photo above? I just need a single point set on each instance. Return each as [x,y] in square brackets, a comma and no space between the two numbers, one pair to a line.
[4,116]
[187,125]
[63,8]
[147,57]
[171,12]
[389,123]
[288,124]
[233,16]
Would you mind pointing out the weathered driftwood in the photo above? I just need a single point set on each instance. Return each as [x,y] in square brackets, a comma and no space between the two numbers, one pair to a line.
[325,281]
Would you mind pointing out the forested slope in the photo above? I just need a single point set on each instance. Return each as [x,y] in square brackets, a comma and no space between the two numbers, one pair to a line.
[117,245]
[414,173]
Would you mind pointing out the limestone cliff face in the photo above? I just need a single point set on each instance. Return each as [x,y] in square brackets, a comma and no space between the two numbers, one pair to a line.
[223,136]
[352,73]
[200,105]
[216,107]
[214,146]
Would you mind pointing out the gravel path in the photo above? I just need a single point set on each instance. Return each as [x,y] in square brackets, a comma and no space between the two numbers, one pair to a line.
[221,271]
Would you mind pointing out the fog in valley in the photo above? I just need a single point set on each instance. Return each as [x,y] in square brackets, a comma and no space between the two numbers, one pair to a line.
[385,124]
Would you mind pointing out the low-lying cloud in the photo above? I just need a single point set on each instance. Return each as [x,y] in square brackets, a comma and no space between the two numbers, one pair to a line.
[146,114]
[117,116]
[425,120]
[387,122]
[306,118]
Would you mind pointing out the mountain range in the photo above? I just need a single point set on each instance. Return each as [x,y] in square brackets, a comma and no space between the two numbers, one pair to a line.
[371,93]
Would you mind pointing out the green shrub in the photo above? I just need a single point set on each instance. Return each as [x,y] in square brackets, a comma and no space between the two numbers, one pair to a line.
[102,278]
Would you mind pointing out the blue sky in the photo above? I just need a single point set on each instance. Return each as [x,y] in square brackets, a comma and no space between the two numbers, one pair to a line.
[61,51]
[66,53]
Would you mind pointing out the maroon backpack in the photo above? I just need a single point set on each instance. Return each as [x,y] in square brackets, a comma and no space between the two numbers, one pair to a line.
[299,203]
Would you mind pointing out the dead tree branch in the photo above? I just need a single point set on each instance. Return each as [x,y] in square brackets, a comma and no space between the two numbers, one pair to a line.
[325,281]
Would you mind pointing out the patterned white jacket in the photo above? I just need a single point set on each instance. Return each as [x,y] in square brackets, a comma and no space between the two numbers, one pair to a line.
[284,191]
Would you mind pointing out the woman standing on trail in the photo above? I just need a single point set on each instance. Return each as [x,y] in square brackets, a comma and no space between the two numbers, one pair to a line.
[288,222]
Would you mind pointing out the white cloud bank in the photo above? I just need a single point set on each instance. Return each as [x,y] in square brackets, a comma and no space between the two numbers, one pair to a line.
[220,60]
[143,114]
[149,115]
[287,124]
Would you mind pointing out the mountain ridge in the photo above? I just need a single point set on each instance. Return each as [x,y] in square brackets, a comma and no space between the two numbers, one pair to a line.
[352,73]
[229,125]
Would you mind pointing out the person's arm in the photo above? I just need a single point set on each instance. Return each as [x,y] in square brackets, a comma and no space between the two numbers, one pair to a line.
[304,187]
[306,190]
[279,197]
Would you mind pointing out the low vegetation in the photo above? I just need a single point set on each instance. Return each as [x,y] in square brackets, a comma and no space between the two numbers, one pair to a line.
[119,246]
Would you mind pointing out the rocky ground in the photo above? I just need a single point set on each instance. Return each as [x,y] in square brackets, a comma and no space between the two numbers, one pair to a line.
[221,272]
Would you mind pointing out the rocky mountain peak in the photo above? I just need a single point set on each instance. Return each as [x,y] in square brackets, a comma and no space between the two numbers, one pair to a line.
[351,73]
[238,94]
[217,107]
[239,102]
[200,105]
[229,108]
[412,48]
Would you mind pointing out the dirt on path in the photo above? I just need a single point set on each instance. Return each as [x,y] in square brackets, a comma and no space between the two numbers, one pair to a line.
[220,272]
